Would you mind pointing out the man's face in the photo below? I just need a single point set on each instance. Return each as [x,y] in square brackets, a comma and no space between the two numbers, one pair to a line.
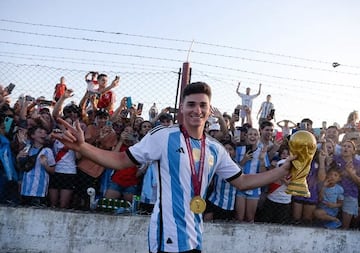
[266,133]
[103,81]
[332,133]
[196,110]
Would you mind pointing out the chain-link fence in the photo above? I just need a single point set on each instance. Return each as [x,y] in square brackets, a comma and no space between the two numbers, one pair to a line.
[147,87]
[144,87]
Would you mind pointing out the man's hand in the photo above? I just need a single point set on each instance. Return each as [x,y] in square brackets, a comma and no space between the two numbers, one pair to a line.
[72,137]
[287,164]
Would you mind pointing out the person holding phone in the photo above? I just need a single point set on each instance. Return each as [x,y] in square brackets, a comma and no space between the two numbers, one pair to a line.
[107,98]
[266,111]
[246,103]
[60,89]
[253,159]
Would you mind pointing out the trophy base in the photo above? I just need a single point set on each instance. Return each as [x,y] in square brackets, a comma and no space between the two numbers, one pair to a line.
[296,189]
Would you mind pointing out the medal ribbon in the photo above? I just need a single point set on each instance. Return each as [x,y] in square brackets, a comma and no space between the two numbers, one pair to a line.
[196,179]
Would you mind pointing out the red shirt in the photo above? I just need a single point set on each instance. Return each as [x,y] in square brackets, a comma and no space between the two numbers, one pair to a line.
[60,89]
[105,100]
[125,177]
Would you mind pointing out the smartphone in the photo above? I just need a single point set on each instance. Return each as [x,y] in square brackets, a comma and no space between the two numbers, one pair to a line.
[10,88]
[128,102]
[249,149]
[237,114]
[271,114]
[237,132]
[279,136]
[237,111]
[8,122]
[140,108]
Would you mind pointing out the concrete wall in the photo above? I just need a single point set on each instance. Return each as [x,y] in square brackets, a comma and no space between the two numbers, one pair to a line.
[50,231]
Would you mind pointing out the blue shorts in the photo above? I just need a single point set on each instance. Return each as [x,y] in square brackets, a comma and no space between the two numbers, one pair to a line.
[124,190]
[330,211]
[249,194]
[350,205]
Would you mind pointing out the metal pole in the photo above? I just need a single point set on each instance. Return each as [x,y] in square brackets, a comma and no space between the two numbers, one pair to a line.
[185,79]
[177,95]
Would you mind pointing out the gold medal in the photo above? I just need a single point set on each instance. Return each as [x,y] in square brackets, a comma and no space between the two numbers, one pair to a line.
[197,205]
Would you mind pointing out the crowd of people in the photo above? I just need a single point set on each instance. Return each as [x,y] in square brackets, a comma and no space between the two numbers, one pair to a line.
[39,170]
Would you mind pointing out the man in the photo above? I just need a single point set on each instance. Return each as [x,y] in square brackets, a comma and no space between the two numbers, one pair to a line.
[107,98]
[266,136]
[246,103]
[186,159]
[266,110]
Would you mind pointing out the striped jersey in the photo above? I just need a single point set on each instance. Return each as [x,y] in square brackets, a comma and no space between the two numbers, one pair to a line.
[223,194]
[173,226]
[252,166]
[36,181]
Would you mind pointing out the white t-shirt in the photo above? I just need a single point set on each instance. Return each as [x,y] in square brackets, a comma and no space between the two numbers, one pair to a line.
[67,163]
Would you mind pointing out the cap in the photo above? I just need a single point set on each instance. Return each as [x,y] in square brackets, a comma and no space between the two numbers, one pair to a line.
[165,116]
[214,127]
[102,112]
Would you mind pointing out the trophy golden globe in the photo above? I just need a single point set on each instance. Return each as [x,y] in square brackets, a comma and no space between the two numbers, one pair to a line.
[302,144]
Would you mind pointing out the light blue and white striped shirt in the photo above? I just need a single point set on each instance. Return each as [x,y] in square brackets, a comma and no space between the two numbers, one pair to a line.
[173,226]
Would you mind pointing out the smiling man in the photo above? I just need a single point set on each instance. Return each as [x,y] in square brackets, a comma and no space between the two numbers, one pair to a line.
[186,160]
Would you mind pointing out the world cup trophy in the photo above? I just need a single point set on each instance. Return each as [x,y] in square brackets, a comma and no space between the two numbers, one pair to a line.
[302,144]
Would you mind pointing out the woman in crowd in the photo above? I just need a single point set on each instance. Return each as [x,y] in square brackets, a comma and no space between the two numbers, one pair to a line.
[253,159]
[123,184]
[350,181]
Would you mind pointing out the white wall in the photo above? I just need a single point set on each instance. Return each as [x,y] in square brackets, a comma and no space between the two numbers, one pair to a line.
[51,231]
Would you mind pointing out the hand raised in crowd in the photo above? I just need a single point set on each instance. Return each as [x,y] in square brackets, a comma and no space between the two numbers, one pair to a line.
[263,152]
[115,82]
[215,111]
[277,143]
[322,155]
[247,157]
[69,93]
[72,137]
[106,130]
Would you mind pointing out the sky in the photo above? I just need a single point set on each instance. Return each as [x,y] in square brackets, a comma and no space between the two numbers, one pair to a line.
[288,46]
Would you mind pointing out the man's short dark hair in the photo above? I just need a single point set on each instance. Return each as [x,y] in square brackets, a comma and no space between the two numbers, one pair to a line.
[307,120]
[101,76]
[266,124]
[197,88]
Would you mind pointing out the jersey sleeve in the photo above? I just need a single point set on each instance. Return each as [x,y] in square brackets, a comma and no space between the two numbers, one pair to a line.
[227,168]
[149,148]
[49,155]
